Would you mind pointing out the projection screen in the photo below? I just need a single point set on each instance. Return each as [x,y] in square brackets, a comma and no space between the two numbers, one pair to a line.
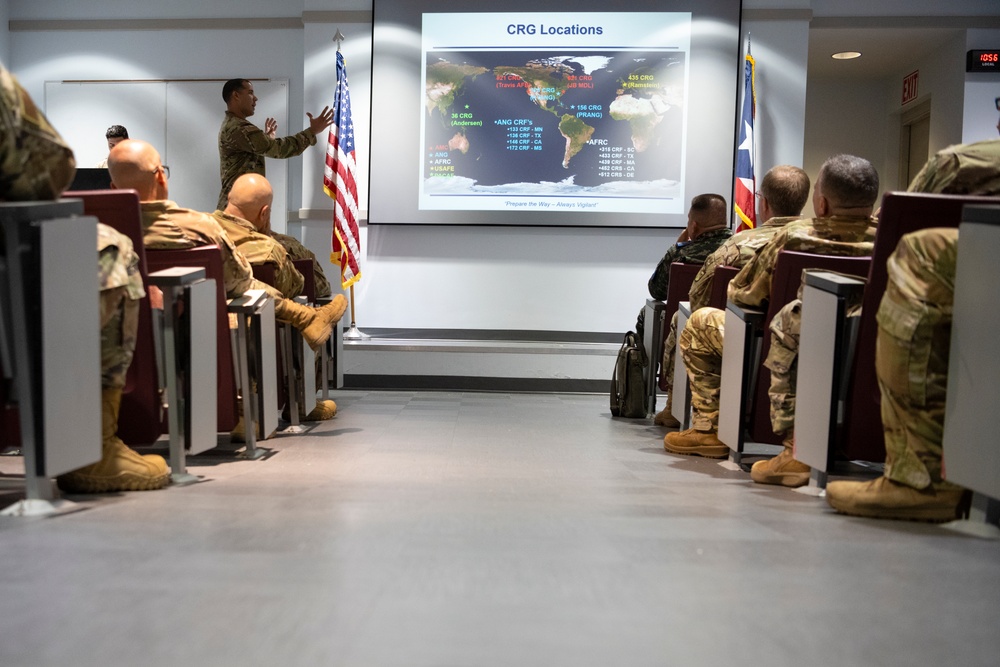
[536,115]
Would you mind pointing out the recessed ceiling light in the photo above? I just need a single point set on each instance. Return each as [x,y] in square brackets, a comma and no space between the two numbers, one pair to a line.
[846,55]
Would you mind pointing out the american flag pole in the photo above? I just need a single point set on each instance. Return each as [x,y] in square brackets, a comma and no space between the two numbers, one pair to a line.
[339,183]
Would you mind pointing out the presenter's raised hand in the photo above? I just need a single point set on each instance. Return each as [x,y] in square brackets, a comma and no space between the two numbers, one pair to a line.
[270,127]
[322,121]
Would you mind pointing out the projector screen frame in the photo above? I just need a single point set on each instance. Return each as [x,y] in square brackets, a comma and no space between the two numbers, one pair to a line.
[398,70]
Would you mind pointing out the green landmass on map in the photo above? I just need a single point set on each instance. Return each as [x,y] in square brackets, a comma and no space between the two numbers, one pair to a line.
[577,135]
[444,81]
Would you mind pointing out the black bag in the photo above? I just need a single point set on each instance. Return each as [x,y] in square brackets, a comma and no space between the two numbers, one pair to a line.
[628,396]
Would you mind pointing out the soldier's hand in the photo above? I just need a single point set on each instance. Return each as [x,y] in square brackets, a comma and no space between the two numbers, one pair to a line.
[322,121]
[270,127]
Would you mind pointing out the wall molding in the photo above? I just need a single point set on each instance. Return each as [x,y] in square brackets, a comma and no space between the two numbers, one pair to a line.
[118,25]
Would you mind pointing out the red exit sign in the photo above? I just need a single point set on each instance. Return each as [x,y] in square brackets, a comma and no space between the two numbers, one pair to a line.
[910,86]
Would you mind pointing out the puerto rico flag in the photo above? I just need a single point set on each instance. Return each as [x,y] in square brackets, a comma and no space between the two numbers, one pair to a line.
[339,183]
[746,185]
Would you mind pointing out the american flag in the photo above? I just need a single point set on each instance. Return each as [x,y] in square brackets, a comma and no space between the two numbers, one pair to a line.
[339,183]
[746,185]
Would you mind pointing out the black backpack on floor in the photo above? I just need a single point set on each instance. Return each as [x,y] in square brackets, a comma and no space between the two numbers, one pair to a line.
[628,396]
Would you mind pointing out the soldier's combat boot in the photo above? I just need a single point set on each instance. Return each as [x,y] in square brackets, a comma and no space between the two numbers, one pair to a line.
[665,417]
[316,324]
[783,470]
[696,443]
[883,498]
[324,410]
[120,468]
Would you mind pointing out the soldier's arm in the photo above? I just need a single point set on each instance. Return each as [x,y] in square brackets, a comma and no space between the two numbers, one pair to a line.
[751,287]
[660,280]
[252,139]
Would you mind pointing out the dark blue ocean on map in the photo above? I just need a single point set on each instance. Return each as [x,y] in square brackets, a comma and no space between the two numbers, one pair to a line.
[489,162]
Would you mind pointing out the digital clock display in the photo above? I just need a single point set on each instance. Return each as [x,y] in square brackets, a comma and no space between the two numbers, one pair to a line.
[983,61]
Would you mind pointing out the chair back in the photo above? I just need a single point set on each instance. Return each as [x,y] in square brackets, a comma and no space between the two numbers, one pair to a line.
[139,420]
[209,257]
[720,284]
[305,267]
[861,435]
[784,288]
[681,277]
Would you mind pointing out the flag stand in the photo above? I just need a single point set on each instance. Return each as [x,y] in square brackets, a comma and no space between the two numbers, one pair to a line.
[354,333]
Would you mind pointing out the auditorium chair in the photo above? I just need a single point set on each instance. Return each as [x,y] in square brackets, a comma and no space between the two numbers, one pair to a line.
[744,406]
[857,433]
[142,420]
[166,370]
[656,322]
[681,403]
[242,353]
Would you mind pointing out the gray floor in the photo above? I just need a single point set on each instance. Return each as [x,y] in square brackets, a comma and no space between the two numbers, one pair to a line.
[486,529]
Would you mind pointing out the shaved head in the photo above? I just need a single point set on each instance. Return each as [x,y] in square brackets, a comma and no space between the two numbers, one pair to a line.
[136,165]
[250,199]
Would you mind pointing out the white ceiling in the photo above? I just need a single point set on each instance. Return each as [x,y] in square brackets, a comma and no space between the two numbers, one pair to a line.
[884,51]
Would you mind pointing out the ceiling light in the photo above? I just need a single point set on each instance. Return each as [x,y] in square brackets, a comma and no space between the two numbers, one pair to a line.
[846,55]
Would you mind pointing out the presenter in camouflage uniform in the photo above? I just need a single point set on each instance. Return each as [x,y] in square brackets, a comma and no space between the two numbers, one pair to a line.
[843,199]
[783,192]
[914,339]
[706,230]
[166,226]
[249,211]
[243,146]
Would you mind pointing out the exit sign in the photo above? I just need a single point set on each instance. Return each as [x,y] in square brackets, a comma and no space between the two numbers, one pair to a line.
[910,86]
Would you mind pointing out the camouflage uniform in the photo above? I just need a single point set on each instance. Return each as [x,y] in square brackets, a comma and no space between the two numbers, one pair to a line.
[970,169]
[911,357]
[167,226]
[260,249]
[35,163]
[702,339]
[296,251]
[121,289]
[736,251]
[692,252]
[243,147]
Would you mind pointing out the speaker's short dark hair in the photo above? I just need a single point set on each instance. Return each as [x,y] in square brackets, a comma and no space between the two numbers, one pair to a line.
[231,87]
[116,132]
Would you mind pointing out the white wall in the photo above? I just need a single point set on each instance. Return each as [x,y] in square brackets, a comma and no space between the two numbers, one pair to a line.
[511,278]
[844,117]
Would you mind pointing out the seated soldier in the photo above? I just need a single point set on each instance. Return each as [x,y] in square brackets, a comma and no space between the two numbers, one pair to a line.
[35,163]
[783,192]
[920,290]
[296,251]
[843,200]
[248,211]
[166,226]
[707,228]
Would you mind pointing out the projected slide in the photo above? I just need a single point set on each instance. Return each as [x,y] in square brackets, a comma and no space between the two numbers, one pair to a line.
[554,112]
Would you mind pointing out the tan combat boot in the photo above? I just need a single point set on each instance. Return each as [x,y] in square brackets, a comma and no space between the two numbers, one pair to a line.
[316,324]
[783,469]
[696,443]
[665,416]
[883,498]
[324,410]
[120,468]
